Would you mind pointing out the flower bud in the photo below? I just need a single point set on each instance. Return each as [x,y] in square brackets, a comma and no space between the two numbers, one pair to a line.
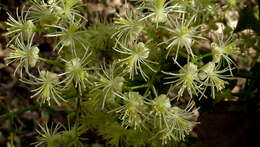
[206,70]
[33,56]
[29,28]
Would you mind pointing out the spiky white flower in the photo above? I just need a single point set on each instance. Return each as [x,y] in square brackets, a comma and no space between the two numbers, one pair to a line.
[68,36]
[49,87]
[22,27]
[222,50]
[68,9]
[44,13]
[137,55]
[161,106]
[25,54]
[211,76]
[109,82]
[183,35]
[128,28]
[159,10]
[132,110]
[186,79]
[76,72]
[48,137]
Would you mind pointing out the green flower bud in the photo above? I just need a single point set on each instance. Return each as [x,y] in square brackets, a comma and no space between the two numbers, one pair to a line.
[33,56]
[29,29]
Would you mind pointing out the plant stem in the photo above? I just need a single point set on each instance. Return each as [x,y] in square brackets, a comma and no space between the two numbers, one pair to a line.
[201,57]
[52,62]
[18,112]
[139,86]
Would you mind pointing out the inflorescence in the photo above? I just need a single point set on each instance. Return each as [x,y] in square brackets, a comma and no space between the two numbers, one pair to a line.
[124,83]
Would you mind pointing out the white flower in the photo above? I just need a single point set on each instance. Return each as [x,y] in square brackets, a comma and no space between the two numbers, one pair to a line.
[183,35]
[186,79]
[43,12]
[212,77]
[49,88]
[128,28]
[48,137]
[26,55]
[132,110]
[161,106]
[69,35]
[159,10]
[20,27]
[222,50]
[137,56]
[76,72]
[109,82]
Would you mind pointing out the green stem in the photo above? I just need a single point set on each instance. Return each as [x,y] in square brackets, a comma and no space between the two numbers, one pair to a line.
[18,112]
[201,57]
[52,62]
[137,87]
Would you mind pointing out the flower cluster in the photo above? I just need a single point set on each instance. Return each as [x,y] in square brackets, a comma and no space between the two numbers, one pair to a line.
[116,79]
